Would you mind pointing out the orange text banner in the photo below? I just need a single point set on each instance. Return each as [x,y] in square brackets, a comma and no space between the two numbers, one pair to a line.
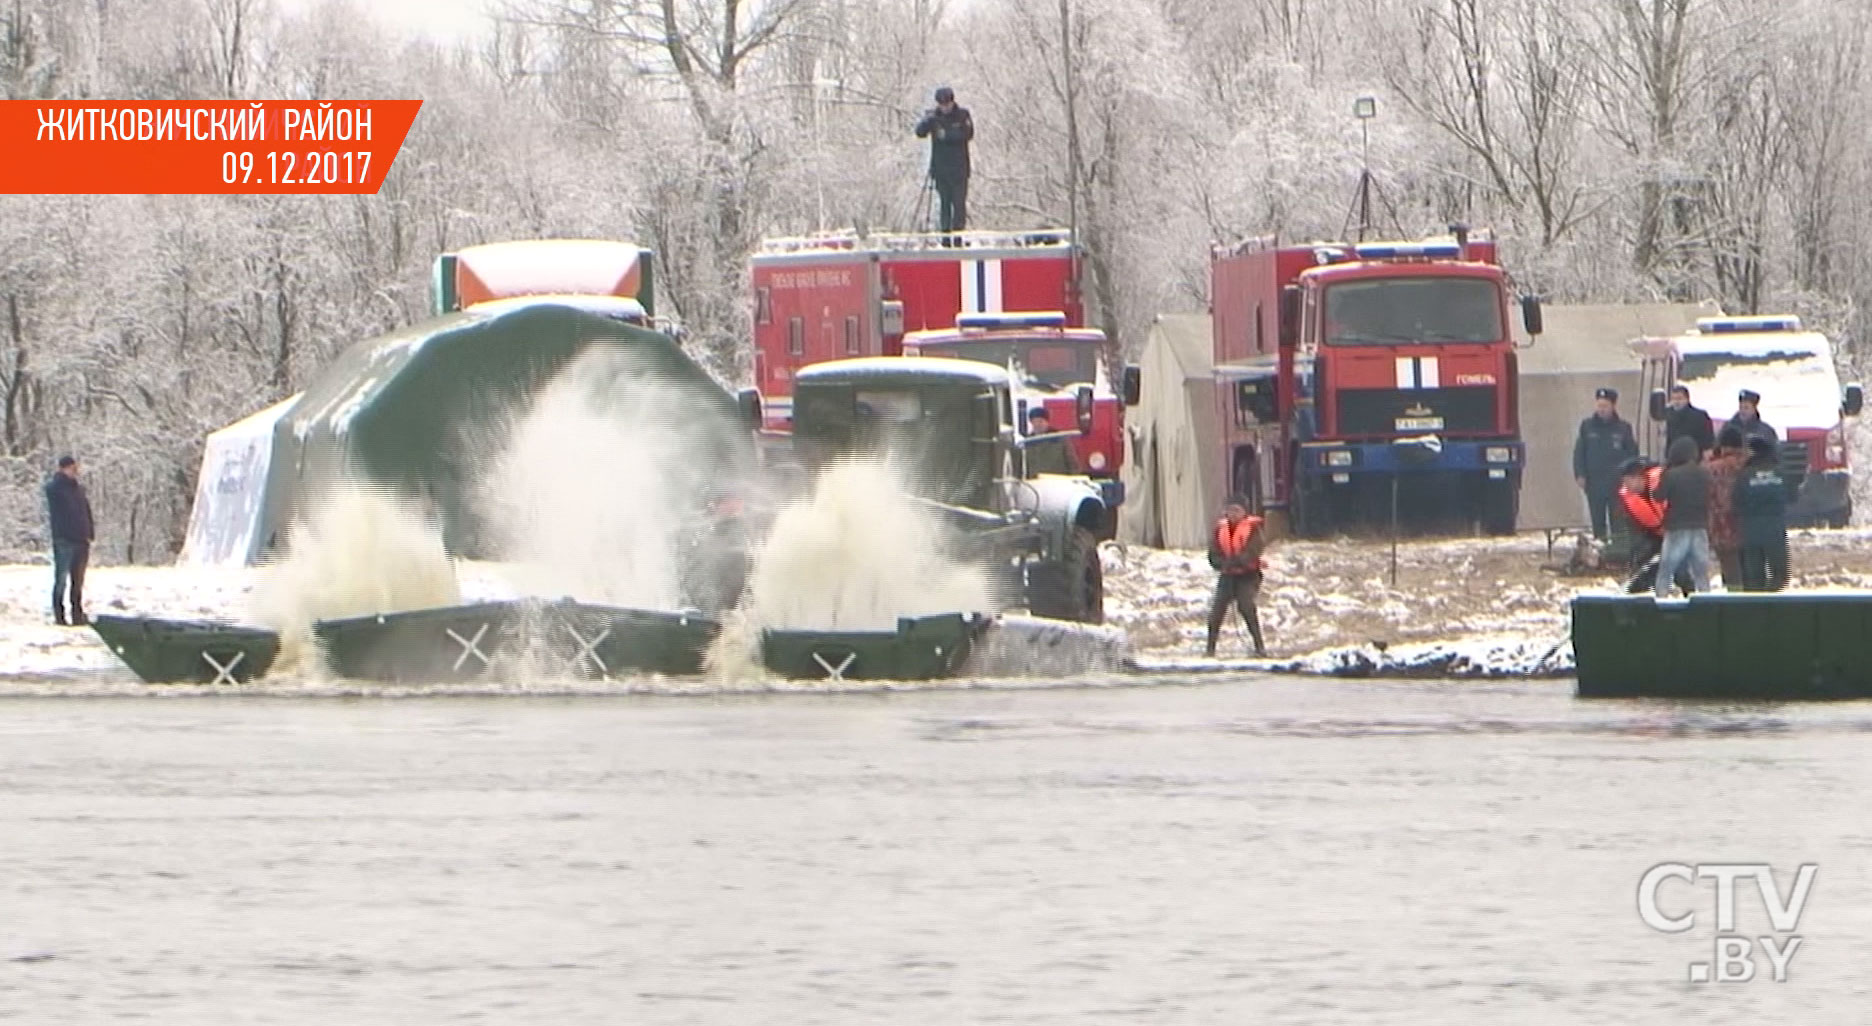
[196,147]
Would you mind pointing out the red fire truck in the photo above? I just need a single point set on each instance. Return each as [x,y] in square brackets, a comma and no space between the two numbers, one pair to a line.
[1358,379]
[976,295]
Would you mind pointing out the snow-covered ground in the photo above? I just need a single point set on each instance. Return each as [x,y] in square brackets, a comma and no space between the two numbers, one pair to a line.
[1460,608]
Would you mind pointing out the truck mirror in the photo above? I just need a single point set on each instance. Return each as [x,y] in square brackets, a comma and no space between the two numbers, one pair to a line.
[1531,314]
[748,402]
[1289,334]
[1133,384]
[1855,400]
[1082,406]
[1658,408]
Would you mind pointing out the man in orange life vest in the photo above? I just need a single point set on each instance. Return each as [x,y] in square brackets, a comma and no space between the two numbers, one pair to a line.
[1235,553]
[1638,483]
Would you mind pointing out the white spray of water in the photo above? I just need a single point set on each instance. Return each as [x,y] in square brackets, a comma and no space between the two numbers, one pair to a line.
[586,502]
[361,550]
[855,556]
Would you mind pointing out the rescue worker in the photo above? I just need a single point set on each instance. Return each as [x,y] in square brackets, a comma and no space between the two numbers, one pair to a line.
[1235,552]
[1605,443]
[1686,421]
[73,530]
[1725,465]
[1049,455]
[949,130]
[1747,417]
[1761,515]
[1684,492]
[1639,480]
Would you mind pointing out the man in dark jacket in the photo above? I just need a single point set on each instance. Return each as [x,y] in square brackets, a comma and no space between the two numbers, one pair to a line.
[1605,443]
[72,534]
[1748,420]
[1686,421]
[1684,491]
[1235,552]
[1761,517]
[949,130]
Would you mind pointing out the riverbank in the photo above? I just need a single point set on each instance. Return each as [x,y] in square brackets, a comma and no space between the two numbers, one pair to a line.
[1460,608]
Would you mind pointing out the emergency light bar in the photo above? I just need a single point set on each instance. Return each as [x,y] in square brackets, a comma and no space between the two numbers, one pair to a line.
[1736,325]
[1389,250]
[1025,319]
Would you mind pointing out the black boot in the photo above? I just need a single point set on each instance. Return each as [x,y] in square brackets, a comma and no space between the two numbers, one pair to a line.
[58,616]
[79,619]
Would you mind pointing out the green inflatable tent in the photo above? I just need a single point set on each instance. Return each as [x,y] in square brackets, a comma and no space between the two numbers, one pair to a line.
[426,411]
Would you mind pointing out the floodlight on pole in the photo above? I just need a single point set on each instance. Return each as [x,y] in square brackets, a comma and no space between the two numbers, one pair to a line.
[1365,107]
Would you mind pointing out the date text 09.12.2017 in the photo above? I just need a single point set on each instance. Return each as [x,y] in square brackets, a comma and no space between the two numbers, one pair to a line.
[289,167]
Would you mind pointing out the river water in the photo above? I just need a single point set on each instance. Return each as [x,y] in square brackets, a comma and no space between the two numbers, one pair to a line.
[1225,851]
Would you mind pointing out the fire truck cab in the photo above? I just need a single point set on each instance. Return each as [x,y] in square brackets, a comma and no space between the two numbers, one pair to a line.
[1356,378]
[1793,371]
[1059,368]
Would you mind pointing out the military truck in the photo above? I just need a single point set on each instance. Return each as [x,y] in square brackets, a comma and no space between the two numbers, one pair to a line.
[953,423]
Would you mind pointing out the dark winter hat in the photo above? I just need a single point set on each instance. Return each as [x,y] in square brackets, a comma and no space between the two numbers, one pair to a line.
[1730,437]
[1635,465]
[1759,445]
[67,461]
[945,94]
[1039,413]
[1237,500]
[1606,393]
[1683,390]
[1748,396]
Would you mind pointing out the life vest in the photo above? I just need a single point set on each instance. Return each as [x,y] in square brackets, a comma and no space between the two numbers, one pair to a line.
[1232,539]
[1646,511]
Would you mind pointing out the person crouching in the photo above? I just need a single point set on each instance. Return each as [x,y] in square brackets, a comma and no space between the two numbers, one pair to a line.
[1235,553]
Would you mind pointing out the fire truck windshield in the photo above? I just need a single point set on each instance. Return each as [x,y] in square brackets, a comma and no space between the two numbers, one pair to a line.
[1053,362]
[1422,309]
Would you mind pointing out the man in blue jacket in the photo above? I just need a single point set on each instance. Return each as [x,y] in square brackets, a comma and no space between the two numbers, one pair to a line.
[73,531]
[949,129]
[1761,518]
[1604,445]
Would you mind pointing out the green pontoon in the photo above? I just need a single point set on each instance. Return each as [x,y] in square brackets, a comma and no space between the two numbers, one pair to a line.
[189,651]
[515,639]
[921,648]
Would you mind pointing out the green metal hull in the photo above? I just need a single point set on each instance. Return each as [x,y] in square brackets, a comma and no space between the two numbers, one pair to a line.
[924,648]
[189,651]
[492,640]
[1725,647]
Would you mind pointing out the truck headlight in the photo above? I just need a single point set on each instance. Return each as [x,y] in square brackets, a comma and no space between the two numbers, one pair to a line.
[1339,458]
[1096,461]
[1498,454]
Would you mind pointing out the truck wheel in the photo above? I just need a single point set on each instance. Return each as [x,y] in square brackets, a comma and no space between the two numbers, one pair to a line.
[1072,588]
[1501,505]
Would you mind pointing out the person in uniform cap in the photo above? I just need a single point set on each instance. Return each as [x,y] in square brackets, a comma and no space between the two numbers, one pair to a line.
[949,130]
[1605,442]
[1048,455]
[1747,417]
[1761,515]
[1686,421]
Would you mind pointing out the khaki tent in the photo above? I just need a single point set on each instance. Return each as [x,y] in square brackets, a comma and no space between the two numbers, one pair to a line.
[1584,348]
[1173,478]
[426,411]
[224,524]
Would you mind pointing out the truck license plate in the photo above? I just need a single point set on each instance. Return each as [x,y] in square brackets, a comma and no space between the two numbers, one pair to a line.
[1420,423]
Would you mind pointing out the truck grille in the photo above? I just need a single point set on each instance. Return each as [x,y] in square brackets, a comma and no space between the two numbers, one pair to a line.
[1377,411]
